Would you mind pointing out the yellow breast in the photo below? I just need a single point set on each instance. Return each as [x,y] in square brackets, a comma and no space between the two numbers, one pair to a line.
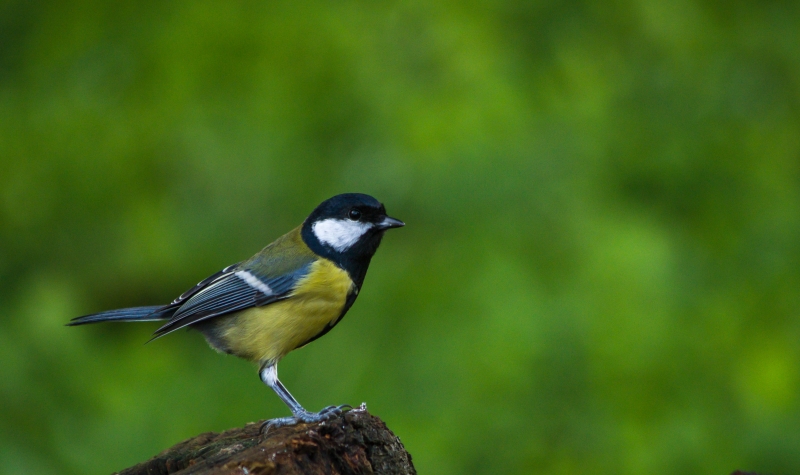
[267,334]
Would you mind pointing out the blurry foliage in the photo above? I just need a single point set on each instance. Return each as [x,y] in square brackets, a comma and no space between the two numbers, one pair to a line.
[600,270]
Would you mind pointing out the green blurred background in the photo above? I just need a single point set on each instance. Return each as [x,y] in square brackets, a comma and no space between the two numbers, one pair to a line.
[599,273]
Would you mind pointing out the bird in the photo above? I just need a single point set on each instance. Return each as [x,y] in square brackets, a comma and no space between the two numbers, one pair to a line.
[290,293]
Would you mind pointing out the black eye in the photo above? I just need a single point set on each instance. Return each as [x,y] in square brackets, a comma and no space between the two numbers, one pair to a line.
[354,214]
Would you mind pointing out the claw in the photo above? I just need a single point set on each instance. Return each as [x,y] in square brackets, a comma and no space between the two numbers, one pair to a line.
[278,422]
[336,409]
[305,416]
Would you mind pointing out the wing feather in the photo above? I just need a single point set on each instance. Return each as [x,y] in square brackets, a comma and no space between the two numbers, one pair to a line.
[228,291]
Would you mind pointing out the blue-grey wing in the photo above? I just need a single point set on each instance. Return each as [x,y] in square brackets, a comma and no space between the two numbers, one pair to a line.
[228,291]
[210,280]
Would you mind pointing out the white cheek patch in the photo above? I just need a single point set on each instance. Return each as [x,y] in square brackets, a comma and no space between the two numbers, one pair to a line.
[340,234]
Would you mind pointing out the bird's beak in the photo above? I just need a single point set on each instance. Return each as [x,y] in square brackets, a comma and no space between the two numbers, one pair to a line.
[388,223]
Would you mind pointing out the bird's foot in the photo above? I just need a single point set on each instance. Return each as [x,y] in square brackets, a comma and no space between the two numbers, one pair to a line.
[305,416]
[336,410]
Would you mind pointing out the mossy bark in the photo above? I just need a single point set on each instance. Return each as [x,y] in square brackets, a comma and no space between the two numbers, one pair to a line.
[353,443]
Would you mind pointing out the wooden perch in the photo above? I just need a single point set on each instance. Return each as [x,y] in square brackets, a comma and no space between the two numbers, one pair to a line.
[354,443]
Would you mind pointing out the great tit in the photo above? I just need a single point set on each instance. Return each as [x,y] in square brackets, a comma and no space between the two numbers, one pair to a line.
[289,294]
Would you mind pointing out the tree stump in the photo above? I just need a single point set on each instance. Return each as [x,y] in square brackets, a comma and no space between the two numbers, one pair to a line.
[354,443]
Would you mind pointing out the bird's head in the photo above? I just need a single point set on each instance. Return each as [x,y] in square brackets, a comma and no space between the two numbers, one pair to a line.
[348,226]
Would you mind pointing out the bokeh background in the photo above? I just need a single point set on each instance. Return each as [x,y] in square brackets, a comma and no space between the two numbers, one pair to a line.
[600,270]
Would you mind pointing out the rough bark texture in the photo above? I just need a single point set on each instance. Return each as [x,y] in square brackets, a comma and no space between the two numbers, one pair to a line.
[353,443]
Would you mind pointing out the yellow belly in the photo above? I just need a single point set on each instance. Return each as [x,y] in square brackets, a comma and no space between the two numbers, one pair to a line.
[268,333]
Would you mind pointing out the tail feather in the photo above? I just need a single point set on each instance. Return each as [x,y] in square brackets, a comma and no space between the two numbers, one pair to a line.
[133,314]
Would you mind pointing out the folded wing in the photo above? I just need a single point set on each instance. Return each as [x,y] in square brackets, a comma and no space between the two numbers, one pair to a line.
[231,290]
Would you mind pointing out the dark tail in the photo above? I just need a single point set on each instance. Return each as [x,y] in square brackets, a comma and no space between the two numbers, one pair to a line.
[134,314]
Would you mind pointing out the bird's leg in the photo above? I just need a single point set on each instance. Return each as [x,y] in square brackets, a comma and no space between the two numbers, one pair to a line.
[269,375]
